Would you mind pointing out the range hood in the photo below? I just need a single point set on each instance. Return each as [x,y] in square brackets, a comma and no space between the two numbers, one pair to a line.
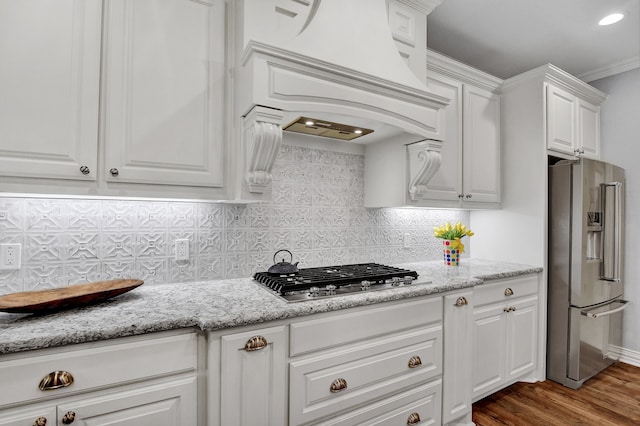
[357,63]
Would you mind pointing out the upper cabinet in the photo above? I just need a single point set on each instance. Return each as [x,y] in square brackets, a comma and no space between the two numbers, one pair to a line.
[125,99]
[573,123]
[50,88]
[469,171]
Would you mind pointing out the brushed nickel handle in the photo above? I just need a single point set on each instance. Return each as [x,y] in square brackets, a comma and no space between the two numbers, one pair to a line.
[114,172]
[338,385]
[507,309]
[413,419]
[415,361]
[40,421]
[56,380]
[462,301]
[255,344]
[69,417]
[508,292]
[85,170]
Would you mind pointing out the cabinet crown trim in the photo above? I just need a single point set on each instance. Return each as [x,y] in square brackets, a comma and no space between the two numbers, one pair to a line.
[437,62]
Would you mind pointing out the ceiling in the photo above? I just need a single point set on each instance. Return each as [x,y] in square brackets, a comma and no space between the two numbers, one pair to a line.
[507,37]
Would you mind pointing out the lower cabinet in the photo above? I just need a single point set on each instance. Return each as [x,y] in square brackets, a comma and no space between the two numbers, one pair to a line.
[126,382]
[253,378]
[505,333]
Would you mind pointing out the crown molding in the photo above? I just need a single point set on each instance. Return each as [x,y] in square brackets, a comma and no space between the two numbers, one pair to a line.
[437,62]
[611,69]
[552,74]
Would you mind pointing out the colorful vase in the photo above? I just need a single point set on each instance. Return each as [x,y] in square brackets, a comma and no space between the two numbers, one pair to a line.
[451,255]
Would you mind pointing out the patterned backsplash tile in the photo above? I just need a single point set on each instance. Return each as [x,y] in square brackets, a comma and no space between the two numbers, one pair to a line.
[317,212]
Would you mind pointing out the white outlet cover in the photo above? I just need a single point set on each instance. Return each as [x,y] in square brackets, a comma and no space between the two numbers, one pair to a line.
[10,256]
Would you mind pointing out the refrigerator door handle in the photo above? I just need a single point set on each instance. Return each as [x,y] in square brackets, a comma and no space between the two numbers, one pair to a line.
[603,314]
[612,238]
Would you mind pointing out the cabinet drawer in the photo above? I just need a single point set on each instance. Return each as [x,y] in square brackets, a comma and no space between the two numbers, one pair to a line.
[95,365]
[423,401]
[370,371]
[334,330]
[498,291]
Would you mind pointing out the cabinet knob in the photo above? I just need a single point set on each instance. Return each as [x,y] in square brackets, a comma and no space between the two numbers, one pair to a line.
[462,301]
[40,421]
[508,292]
[506,309]
[56,380]
[413,419]
[460,195]
[255,344]
[415,361]
[338,385]
[513,308]
[69,417]
[468,196]
[114,172]
[85,170]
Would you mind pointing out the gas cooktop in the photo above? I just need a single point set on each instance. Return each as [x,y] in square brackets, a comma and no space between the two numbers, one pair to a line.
[332,281]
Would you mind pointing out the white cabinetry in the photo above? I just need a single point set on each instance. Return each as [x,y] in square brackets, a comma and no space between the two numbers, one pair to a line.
[49,80]
[152,101]
[573,124]
[149,379]
[253,378]
[368,366]
[456,386]
[505,333]
[469,174]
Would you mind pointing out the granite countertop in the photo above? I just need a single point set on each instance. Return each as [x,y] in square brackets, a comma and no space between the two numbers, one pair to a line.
[220,304]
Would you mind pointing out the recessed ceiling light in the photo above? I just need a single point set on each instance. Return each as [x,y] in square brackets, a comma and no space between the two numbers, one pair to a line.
[309,123]
[611,19]
[357,132]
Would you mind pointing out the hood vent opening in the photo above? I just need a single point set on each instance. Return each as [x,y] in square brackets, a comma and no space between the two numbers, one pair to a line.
[327,129]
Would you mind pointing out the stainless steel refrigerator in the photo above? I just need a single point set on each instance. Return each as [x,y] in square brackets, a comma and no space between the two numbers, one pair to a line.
[584,305]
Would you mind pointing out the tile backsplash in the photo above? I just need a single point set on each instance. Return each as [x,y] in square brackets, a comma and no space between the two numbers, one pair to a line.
[316,212]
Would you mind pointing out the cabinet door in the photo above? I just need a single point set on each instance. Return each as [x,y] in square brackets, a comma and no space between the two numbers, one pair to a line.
[253,382]
[49,80]
[29,416]
[446,183]
[589,129]
[458,326]
[164,88]
[481,149]
[561,120]
[522,337]
[489,348]
[172,403]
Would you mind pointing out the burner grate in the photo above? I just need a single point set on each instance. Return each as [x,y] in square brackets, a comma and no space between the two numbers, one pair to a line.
[342,275]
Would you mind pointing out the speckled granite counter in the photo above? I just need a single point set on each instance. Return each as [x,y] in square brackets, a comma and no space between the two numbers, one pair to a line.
[214,305]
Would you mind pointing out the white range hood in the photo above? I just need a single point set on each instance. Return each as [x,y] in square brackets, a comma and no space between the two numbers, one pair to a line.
[361,63]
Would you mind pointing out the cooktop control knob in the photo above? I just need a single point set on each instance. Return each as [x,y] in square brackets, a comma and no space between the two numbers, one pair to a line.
[395,281]
[331,289]
[314,291]
[365,285]
[408,280]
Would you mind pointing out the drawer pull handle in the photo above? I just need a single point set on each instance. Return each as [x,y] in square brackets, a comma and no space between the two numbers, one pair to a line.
[415,361]
[40,421]
[462,301]
[508,292]
[85,170]
[114,172]
[506,309]
[69,417]
[255,344]
[338,385]
[413,419]
[56,380]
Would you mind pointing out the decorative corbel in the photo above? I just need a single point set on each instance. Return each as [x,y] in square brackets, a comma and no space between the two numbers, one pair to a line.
[262,139]
[424,161]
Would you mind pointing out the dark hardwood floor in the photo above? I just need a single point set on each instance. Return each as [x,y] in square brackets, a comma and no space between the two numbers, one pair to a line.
[610,398]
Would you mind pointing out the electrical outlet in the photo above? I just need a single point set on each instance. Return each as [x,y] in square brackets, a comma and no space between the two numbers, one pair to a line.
[182,249]
[10,256]
[407,240]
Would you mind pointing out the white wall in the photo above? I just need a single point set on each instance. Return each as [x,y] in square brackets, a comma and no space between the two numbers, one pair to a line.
[621,146]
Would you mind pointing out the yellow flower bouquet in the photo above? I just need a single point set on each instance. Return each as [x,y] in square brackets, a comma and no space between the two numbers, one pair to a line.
[452,244]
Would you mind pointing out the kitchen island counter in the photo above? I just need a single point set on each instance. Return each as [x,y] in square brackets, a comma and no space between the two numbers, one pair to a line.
[220,304]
